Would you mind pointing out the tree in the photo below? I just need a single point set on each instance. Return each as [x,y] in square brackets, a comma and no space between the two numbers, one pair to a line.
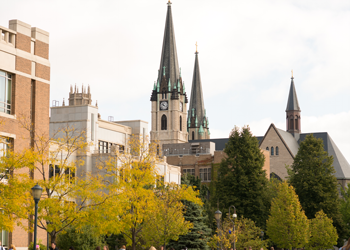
[287,225]
[246,235]
[84,238]
[132,178]
[323,233]
[241,179]
[167,221]
[345,205]
[198,236]
[312,176]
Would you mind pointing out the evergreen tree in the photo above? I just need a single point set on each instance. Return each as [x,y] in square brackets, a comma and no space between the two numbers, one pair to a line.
[199,235]
[287,225]
[345,205]
[241,180]
[312,176]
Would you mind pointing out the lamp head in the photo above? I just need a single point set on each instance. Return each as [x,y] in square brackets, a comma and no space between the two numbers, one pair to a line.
[36,192]
[234,216]
[218,215]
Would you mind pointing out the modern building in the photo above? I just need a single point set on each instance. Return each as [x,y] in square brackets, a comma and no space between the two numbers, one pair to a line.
[24,97]
[106,138]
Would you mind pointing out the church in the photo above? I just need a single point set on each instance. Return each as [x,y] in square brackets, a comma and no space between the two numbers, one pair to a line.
[184,137]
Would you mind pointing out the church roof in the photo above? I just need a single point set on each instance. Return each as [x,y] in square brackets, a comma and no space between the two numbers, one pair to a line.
[169,53]
[289,141]
[197,101]
[292,103]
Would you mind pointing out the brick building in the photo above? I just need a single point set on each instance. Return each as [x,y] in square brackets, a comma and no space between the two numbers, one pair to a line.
[24,95]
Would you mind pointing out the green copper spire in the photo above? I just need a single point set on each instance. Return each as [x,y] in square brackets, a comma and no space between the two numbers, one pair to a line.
[204,122]
[207,122]
[164,71]
[178,85]
[155,86]
[158,86]
[196,122]
[193,112]
[201,130]
[183,87]
[169,85]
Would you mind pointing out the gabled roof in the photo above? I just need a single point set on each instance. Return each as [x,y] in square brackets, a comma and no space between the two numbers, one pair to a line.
[169,53]
[292,103]
[341,165]
[197,101]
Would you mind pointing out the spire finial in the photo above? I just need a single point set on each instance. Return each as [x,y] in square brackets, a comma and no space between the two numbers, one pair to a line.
[292,75]
[169,2]
[196,47]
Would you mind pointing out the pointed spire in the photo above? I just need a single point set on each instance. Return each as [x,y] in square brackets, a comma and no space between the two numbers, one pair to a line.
[183,87]
[158,86]
[201,130]
[89,89]
[155,86]
[197,100]
[292,103]
[169,85]
[63,103]
[178,85]
[96,104]
[71,89]
[196,122]
[169,51]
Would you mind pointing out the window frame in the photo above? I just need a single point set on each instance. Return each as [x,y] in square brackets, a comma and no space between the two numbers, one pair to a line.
[5,106]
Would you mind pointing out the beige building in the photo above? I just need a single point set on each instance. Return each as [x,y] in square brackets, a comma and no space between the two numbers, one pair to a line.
[24,95]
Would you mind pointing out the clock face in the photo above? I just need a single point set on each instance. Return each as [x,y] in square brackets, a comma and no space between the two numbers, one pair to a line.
[181,107]
[164,105]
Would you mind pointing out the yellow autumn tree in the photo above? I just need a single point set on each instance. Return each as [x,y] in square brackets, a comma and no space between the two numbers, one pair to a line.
[132,179]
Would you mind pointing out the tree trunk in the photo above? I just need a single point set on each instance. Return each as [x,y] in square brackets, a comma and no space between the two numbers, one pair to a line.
[133,236]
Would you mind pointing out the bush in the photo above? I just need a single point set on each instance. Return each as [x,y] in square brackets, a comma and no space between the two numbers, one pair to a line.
[81,239]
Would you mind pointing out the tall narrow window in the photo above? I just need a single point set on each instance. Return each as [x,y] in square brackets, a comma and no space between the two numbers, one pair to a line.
[277,151]
[272,151]
[5,92]
[192,135]
[180,123]
[164,122]
[296,124]
[291,124]
[267,148]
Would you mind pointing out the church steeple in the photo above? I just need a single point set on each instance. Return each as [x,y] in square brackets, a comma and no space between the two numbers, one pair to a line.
[293,111]
[169,98]
[198,122]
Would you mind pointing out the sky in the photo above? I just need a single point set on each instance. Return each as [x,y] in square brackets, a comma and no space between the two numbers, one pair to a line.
[247,50]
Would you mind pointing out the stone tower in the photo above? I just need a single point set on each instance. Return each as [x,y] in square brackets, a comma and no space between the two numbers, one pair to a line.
[169,100]
[76,98]
[293,112]
[197,123]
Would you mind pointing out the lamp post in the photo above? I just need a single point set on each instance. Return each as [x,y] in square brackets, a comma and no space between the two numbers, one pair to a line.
[218,215]
[36,192]
[234,216]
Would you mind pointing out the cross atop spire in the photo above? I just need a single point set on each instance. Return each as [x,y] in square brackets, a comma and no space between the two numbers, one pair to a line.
[196,47]
[292,75]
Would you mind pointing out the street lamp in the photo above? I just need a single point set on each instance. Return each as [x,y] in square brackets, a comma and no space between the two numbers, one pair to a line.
[234,216]
[218,215]
[36,192]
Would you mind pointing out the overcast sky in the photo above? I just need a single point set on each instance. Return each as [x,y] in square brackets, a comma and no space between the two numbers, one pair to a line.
[247,50]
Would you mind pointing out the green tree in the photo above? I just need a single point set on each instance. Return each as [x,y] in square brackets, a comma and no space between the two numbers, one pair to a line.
[287,225]
[198,236]
[345,205]
[323,233]
[312,176]
[241,180]
[84,238]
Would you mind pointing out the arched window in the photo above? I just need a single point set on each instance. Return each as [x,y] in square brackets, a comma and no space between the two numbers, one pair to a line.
[272,151]
[180,123]
[277,151]
[192,135]
[296,123]
[291,124]
[267,148]
[164,122]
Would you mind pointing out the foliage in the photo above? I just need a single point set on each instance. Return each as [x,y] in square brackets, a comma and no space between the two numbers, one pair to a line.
[345,205]
[81,239]
[246,234]
[323,233]
[198,236]
[131,182]
[312,176]
[167,221]
[241,180]
[287,225]
[42,247]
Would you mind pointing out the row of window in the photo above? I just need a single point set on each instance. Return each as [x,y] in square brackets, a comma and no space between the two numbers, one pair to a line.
[273,150]
[108,147]
[204,173]
[164,123]
[55,172]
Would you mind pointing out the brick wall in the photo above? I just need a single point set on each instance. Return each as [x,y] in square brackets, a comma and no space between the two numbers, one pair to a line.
[42,71]
[23,65]
[41,49]
[23,42]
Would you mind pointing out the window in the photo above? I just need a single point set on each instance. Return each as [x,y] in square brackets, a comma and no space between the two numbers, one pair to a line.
[205,174]
[189,171]
[5,92]
[108,147]
[296,124]
[180,123]
[291,124]
[164,122]
[272,151]
[267,148]
[192,135]
[277,151]
[5,145]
